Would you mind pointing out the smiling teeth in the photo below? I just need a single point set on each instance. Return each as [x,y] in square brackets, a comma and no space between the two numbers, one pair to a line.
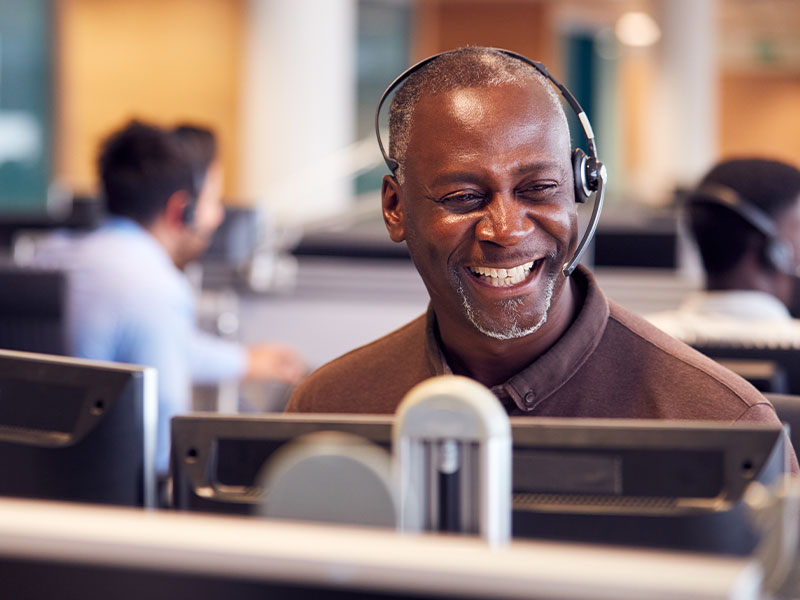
[503,277]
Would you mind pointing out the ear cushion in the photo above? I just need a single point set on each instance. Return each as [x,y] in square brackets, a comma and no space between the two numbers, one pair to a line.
[582,192]
[780,256]
[187,216]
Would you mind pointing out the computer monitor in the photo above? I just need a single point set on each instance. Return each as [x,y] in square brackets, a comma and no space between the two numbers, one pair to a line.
[787,407]
[78,430]
[215,459]
[236,239]
[647,483]
[666,484]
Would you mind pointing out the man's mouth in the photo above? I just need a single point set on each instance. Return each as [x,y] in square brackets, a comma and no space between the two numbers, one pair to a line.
[504,277]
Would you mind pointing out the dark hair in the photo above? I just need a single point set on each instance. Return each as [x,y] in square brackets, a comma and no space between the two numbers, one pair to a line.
[141,166]
[467,67]
[722,236]
[200,145]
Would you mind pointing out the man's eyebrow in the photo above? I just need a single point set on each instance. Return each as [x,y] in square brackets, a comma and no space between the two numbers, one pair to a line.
[539,165]
[458,176]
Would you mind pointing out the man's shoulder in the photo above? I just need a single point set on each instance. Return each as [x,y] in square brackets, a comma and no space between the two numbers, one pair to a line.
[694,385]
[370,379]
[122,266]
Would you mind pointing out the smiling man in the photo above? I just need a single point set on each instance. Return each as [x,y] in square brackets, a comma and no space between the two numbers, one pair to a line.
[484,197]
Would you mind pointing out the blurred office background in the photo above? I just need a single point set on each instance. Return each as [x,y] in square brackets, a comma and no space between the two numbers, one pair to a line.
[291,86]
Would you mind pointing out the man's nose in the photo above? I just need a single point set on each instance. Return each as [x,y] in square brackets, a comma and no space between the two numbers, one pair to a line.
[505,221]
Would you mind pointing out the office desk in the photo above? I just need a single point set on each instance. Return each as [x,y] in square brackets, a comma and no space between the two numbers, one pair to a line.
[50,550]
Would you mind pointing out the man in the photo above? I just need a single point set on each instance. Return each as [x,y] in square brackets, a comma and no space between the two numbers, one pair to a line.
[484,199]
[211,358]
[745,218]
[128,301]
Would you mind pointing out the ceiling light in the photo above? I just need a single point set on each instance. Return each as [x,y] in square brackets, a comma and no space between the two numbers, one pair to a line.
[637,29]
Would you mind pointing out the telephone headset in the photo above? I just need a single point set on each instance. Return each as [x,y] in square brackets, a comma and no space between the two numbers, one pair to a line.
[589,173]
[193,195]
[198,175]
[778,254]
[187,216]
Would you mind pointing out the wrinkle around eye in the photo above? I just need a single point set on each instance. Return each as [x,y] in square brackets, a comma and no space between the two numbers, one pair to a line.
[460,200]
[539,191]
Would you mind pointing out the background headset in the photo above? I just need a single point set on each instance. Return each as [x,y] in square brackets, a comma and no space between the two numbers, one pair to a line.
[190,208]
[778,253]
[588,172]
[187,139]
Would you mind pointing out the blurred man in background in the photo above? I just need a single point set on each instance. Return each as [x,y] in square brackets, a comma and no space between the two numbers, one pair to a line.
[745,219]
[212,359]
[128,300]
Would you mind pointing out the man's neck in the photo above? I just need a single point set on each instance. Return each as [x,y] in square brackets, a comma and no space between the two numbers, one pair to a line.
[750,274]
[491,361]
[166,238]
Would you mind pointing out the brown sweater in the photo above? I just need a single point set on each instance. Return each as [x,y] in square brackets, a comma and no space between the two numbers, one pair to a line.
[609,363]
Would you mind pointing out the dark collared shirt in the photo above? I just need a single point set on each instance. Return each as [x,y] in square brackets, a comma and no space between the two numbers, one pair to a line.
[523,392]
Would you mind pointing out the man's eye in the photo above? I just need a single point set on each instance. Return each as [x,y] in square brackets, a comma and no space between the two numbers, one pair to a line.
[537,190]
[462,200]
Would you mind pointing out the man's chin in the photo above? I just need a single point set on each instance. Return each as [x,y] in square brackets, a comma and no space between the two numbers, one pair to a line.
[512,321]
[509,332]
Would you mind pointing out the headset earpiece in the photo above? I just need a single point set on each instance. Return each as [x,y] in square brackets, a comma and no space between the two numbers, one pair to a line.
[579,173]
[189,209]
[779,255]
[187,215]
[586,174]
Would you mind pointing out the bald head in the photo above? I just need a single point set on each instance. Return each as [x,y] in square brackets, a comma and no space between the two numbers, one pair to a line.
[462,69]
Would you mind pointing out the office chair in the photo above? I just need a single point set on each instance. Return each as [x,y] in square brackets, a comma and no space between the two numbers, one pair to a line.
[32,307]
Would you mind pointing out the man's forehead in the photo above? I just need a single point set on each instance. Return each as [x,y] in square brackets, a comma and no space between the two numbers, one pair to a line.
[504,100]
[503,113]
[466,104]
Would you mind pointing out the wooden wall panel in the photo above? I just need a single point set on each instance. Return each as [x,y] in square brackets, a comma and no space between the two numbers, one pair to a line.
[159,60]
[519,25]
[760,115]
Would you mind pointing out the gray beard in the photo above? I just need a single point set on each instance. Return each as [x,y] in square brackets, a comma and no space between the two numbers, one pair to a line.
[513,330]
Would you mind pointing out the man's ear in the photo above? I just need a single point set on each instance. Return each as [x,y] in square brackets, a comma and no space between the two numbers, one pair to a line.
[393,209]
[176,208]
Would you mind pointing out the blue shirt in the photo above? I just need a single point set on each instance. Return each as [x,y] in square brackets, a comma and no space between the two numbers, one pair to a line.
[128,302]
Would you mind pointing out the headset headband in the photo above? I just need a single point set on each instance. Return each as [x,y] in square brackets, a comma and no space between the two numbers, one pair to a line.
[780,254]
[716,193]
[592,176]
[586,126]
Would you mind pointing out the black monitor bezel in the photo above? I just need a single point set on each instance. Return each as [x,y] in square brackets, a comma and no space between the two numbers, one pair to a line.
[194,449]
[106,455]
